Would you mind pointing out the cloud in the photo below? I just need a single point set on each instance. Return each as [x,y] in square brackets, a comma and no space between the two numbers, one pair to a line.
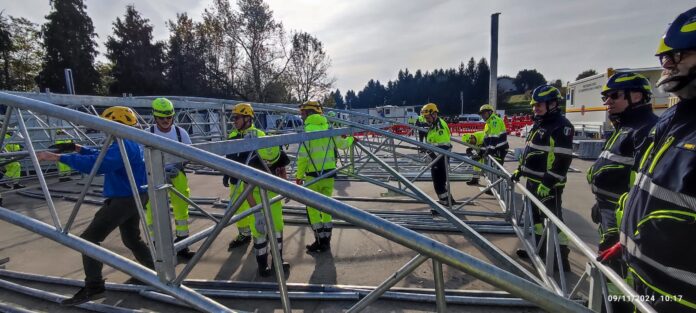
[369,39]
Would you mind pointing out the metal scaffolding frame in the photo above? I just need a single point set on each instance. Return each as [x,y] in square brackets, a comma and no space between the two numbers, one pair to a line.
[542,291]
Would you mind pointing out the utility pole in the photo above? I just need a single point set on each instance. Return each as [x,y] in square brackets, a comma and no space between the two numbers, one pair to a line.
[461,100]
[493,86]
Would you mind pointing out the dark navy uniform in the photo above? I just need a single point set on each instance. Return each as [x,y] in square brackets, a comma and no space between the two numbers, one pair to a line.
[658,227]
[613,173]
[439,135]
[546,159]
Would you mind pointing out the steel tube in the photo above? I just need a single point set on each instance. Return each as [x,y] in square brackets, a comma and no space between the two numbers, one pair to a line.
[5,124]
[204,233]
[49,296]
[439,287]
[478,194]
[277,258]
[112,259]
[90,178]
[193,204]
[39,173]
[481,242]
[213,235]
[136,194]
[422,244]
[406,269]
[615,278]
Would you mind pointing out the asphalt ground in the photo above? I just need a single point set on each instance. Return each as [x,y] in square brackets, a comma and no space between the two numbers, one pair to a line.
[358,257]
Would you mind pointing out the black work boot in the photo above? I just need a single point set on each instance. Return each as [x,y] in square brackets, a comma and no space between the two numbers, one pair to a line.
[134,281]
[184,253]
[18,186]
[446,202]
[325,243]
[522,253]
[565,251]
[473,181]
[91,291]
[316,246]
[241,240]
[64,179]
[262,261]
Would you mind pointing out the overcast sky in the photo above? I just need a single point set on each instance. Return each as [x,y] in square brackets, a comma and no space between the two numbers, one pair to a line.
[375,38]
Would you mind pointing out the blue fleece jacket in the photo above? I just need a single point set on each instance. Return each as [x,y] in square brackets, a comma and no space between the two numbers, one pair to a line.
[116,182]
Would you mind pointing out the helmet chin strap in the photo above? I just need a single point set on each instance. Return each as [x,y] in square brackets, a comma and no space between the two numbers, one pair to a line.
[681,81]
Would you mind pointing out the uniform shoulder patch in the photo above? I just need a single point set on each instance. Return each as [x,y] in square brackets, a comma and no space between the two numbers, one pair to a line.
[688,146]
[567,131]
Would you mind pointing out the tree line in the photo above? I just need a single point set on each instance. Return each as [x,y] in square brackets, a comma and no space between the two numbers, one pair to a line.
[239,52]
[454,90]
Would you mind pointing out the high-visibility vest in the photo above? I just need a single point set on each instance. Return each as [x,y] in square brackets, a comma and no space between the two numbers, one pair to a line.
[316,156]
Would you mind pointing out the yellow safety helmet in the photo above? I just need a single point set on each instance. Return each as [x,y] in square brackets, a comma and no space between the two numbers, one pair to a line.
[162,107]
[429,108]
[312,105]
[120,114]
[243,109]
[486,107]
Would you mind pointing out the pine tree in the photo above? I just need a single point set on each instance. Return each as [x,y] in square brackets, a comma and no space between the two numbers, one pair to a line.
[185,58]
[138,65]
[6,48]
[68,37]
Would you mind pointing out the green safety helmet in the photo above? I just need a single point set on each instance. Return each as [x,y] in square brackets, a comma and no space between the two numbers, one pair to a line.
[162,107]
[331,114]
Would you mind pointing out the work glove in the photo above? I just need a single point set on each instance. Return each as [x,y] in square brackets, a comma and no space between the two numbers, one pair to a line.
[476,156]
[516,175]
[543,191]
[64,147]
[589,175]
[610,253]
[299,181]
[281,172]
[225,180]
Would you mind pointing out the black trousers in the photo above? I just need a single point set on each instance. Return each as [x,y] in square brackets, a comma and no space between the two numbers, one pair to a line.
[604,213]
[121,213]
[552,201]
[439,174]
[499,155]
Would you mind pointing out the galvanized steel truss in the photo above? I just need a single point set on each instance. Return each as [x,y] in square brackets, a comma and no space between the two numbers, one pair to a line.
[511,277]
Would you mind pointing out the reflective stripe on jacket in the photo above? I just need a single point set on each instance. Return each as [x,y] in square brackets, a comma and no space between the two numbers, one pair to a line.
[11,147]
[439,133]
[317,155]
[610,175]
[659,213]
[269,155]
[548,151]
[495,135]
